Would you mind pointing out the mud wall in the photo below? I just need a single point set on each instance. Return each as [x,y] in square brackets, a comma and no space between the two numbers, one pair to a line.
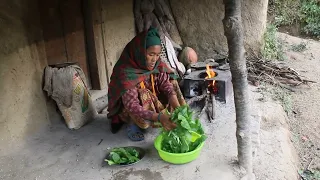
[118,29]
[23,108]
[200,25]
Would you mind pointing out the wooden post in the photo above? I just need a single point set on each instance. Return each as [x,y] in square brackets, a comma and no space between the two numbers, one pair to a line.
[94,42]
[90,44]
[234,33]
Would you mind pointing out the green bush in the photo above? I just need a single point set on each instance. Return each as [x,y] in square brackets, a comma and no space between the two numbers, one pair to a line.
[304,12]
[286,12]
[310,17]
[272,48]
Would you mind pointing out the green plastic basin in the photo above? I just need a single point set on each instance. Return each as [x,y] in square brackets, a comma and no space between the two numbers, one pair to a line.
[178,158]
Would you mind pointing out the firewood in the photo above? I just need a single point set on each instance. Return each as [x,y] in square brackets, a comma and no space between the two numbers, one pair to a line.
[260,70]
[196,99]
[204,109]
[288,81]
[213,108]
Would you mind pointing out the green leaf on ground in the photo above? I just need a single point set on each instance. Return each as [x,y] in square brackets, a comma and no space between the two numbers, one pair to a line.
[123,156]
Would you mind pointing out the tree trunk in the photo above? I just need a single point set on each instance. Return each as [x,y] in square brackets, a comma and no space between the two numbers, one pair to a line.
[234,33]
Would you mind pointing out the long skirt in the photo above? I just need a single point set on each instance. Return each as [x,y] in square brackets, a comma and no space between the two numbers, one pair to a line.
[152,103]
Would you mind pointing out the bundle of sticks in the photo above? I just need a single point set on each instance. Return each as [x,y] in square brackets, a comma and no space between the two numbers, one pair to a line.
[275,73]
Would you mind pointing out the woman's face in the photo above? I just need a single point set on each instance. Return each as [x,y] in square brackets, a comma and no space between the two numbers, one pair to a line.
[153,54]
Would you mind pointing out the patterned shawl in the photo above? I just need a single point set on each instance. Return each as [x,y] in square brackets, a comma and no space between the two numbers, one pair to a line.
[130,70]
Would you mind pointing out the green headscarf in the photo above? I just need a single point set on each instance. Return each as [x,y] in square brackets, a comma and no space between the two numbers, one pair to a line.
[152,38]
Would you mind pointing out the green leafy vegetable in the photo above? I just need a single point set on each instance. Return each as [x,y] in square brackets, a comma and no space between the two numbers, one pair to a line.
[179,140]
[123,156]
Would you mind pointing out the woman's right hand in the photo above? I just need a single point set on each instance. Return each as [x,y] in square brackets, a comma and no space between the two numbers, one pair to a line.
[167,124]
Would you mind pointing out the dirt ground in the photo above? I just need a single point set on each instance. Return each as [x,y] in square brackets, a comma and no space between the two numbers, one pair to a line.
[59,153]
[304,120]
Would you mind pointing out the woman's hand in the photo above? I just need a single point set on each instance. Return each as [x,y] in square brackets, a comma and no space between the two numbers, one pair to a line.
[165,121]
[174,102]
[167,124]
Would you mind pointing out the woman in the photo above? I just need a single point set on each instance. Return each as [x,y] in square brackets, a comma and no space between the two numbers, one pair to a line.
[142,87]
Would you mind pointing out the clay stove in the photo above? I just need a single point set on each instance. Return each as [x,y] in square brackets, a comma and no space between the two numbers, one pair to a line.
[196,84]
[207,83]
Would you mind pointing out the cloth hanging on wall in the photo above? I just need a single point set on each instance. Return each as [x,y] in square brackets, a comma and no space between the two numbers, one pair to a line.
[157,14]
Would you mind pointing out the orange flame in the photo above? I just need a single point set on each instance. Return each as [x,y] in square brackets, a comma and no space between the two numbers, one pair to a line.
[210,74]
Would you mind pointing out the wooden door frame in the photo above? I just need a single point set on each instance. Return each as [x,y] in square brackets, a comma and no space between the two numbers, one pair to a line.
[55,42]
[94,43]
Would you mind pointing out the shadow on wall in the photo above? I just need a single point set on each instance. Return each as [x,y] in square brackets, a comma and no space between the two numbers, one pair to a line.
[19,19]
[23,106]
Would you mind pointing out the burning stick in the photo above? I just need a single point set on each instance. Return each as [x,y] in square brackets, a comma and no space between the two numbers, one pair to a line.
[213,108]
[196,99]
[205,108]
[211,111]
[209,107]
[208,95]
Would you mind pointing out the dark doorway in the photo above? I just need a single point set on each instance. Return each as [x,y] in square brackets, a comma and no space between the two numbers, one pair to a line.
[64,32]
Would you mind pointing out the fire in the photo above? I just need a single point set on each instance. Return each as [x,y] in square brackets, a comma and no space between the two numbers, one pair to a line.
[210,74]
